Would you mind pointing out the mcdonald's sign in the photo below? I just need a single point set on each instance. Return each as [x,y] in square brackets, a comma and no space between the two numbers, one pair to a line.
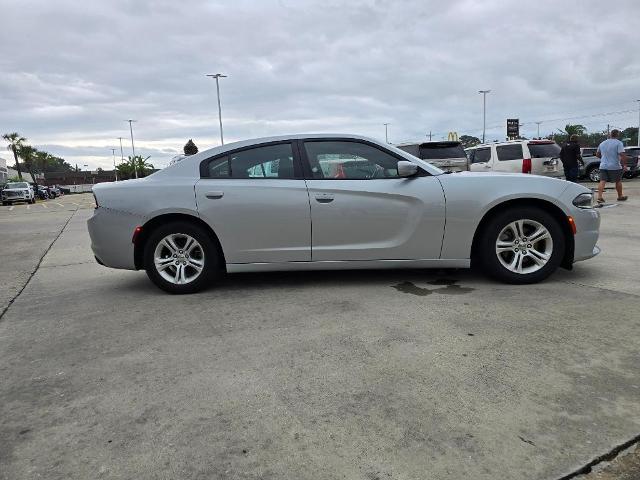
[453,136]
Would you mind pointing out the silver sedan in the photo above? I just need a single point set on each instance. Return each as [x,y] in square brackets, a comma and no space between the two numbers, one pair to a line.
[303,202]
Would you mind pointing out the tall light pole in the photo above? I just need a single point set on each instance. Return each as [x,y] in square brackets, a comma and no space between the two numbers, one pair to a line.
[115,172]
[386,132]
[638,122]
[484,111]
[538,123]
[133,148]
[121,151]
[218,76]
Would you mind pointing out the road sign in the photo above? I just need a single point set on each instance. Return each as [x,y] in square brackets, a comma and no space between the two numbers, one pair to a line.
[513,127]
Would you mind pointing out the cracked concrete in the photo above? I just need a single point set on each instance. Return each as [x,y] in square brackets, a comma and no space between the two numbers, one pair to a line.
[320,375]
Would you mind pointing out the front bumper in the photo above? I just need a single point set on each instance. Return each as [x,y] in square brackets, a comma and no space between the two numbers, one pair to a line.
[111,232]
[587,231]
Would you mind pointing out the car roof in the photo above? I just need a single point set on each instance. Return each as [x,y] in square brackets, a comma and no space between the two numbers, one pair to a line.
[507,142]
[444,143]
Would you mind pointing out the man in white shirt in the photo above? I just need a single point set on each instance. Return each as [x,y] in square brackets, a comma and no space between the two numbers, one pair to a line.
[612,164]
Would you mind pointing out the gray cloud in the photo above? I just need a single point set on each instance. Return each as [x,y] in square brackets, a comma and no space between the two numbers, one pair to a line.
[73,72]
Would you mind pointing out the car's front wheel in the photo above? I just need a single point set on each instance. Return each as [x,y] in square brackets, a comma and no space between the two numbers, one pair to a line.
[181,257]
[594,174]
[521,245]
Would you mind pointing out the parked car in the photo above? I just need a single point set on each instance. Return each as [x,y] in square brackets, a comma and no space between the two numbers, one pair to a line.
[448,156]
[17,192]
[266,204]
[42,192]
[590,166]
[54,191]
[539,157]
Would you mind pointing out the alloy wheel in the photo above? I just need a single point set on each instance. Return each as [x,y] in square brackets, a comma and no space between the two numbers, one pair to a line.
[594,175]
[179,258]
[524,246]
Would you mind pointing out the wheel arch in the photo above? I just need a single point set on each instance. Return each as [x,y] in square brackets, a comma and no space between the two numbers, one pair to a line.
[151,224]
[545,205]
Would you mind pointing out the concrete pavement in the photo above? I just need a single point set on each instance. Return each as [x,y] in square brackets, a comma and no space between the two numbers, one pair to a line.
[373,375]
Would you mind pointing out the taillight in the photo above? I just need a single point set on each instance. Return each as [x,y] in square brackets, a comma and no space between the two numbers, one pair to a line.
[526,165]
[136,233]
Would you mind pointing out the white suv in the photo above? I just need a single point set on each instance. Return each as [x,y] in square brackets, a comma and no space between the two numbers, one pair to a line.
[539,157]
[18,192]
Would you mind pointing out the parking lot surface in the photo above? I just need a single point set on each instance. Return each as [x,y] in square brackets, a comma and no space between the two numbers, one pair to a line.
[372,375]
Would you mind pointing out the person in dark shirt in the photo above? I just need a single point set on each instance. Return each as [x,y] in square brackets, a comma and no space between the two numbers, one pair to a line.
[570,156]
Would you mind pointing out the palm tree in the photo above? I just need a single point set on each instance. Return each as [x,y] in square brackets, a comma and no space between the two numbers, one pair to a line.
[15,144]
[135,164]
[574,129]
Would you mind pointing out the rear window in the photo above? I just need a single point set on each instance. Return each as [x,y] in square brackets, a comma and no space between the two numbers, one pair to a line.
[588,152]
[439,151]
[544,150]
[509,152]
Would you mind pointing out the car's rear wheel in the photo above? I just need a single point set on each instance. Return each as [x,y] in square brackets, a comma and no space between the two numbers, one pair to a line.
[521,245]
[181,257]
[594,174]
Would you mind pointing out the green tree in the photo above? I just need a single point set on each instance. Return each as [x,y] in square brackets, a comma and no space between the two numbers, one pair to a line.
[128,168]
[15,143]
[469,141]
[190,148]
[632,134]
[27,153]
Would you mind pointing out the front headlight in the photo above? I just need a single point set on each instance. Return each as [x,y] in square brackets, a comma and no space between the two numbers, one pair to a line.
[584,200]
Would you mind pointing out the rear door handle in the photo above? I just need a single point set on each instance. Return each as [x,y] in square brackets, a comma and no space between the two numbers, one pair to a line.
[214,195]
[324,198]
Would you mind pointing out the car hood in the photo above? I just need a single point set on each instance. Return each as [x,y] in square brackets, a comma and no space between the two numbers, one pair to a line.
[15,189]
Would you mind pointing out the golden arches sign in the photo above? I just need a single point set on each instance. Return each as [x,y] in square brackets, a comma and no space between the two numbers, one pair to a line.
[453,136]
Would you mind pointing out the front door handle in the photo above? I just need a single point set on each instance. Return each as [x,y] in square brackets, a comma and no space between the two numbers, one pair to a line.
[324,198]
[214,195]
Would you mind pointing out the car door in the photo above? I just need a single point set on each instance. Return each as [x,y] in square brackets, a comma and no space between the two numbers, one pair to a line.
[362,210]
[481,161]
[256,201]
[509,158]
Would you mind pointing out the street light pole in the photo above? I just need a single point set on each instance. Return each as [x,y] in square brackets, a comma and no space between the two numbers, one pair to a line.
[638,122]
[386,132]
[121,151]
[133,148]
[115,172]
[538,123]
[218,76]
[484,111]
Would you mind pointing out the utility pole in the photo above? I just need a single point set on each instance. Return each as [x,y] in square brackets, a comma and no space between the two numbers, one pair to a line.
[538,123]
[115,172]
[484,111]
[218,76]
[121,151]
[429,135]
[133,148]
[608,129]
[386,132]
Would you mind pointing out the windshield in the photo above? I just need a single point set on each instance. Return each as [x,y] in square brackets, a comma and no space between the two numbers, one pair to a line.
[17,185]
[544,150]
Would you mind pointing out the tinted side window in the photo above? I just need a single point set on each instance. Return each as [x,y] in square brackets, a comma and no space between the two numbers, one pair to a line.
[349,161]
[271,161]
[482,155]
[509,152]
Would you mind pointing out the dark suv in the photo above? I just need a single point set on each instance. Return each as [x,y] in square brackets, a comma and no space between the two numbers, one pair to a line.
[590,165]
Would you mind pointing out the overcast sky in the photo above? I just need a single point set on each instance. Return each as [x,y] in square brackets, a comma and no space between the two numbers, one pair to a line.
[72,72]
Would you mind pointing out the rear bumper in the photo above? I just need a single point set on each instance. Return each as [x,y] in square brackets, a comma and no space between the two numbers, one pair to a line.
[111,232]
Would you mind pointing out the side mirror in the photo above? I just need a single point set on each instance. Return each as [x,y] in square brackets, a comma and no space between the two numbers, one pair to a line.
[407,169]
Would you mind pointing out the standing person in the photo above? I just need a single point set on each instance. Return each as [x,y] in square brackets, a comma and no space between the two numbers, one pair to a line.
[570,157]
[612,164]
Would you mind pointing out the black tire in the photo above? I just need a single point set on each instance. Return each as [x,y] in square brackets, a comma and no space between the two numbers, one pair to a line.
[593,173]
[487,257]
[211,257]
[4,204]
